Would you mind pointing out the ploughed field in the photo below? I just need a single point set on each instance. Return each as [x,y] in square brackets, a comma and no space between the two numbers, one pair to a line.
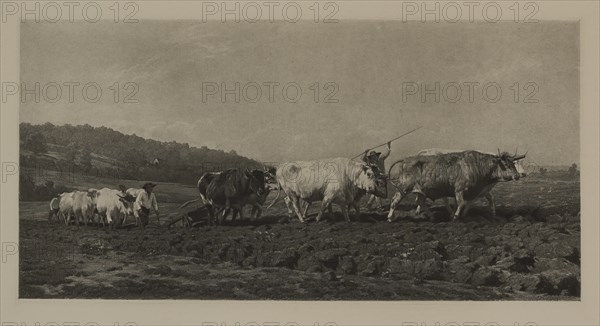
[531,251]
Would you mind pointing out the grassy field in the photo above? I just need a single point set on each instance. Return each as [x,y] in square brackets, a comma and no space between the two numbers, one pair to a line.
[530,251]
[166,192]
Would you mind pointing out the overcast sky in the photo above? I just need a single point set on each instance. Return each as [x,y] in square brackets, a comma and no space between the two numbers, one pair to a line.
[368,60]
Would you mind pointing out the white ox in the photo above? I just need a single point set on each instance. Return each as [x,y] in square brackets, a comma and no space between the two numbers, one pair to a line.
[84,205]
[62,207]
[113,205]
[337,180]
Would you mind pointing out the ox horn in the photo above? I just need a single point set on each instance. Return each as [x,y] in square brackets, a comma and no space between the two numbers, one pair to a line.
[519,157]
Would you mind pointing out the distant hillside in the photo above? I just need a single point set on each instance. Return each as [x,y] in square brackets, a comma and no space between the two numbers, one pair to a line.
[100,151]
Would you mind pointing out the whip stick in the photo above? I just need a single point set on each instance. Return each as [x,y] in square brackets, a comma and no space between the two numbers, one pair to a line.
[404,134]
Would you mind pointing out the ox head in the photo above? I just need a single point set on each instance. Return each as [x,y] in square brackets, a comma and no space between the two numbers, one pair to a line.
[506,166]
[270,175]
[518,161]
[127,201]
[368,178]
[92,193]
[257,179]
[381,180]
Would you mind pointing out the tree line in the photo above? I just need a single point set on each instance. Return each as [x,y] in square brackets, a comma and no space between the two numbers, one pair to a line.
[88,149]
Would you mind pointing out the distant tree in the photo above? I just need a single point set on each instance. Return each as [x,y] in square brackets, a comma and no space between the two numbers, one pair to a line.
[573,170]
[72,151]
[86,159]
[172,157]
[36,142]
[543,172]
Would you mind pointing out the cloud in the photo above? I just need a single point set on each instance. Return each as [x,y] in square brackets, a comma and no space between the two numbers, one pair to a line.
[368,61]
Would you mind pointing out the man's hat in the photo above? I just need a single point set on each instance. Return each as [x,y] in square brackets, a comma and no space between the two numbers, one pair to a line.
[149,185]
[374,153]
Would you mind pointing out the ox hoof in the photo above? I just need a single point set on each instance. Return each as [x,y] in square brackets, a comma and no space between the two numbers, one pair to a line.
[390,220]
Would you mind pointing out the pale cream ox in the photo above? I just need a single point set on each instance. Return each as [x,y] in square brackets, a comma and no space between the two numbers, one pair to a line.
[337,180]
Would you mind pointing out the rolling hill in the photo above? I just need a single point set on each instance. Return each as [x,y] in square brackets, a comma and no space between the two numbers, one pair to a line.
[103,151]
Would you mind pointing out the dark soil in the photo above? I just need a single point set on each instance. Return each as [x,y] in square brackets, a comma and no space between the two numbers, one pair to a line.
[531,250]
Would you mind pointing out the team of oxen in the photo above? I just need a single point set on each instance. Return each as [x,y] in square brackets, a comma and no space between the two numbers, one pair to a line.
[431,174]
[106,207]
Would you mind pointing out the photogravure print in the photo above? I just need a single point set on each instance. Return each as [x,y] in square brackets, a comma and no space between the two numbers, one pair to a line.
[277,151]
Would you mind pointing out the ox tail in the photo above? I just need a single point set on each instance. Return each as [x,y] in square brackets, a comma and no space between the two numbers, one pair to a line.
[54,203]
[54,207]
[189,202]
[391,180]
[276,197]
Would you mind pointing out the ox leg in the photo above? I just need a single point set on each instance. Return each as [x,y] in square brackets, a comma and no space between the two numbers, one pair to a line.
[239,212]
[460,205]
[448,206]
[296,203]
[468,206]
[306,208]
[325,204]
[329,210]
[289,205]
[357,209]
[211,214]
[369,205]
[422,201]
[109,221]
[256,212]
[395,201]
[50,216]
[377,202]
[490,199]
[344,209]
[224,215]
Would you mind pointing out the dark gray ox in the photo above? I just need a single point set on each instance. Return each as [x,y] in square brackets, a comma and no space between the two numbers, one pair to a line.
[230,190]
[464,175]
